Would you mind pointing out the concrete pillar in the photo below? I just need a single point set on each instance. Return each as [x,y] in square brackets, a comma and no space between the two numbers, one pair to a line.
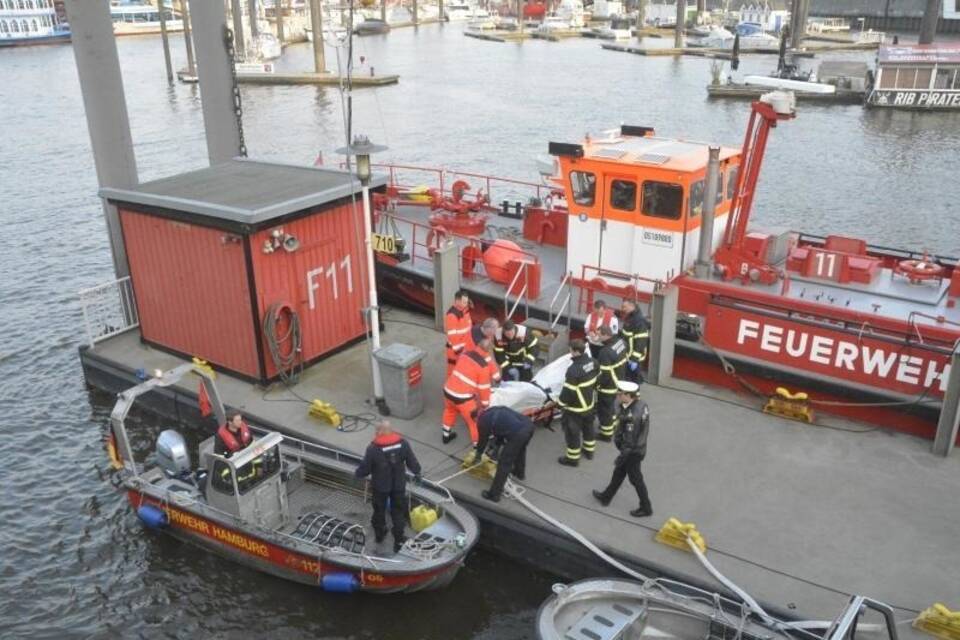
[164,39]
[383,10]
[681,22]
[950,411]
[237,13]
[101,85]
[187,37]
[663,333]
[798,22]
[416,17]
[216,82]
[440,7]
[928,26]
[316,25]
[446,280]
[254,27]
[278,9]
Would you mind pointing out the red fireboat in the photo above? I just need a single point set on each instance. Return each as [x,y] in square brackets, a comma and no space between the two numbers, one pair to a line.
[864,331]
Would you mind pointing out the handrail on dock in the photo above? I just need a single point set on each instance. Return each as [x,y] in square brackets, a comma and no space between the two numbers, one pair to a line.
[109,309]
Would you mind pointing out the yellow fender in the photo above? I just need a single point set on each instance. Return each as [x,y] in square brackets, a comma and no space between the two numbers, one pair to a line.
[325,411]
[939,621]
[202,365]
[675,534]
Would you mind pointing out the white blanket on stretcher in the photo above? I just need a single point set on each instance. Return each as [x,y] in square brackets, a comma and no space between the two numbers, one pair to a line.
[529,396]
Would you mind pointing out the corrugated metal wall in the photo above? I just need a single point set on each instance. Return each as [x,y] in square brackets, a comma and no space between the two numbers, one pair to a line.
[191,288]
[324,280]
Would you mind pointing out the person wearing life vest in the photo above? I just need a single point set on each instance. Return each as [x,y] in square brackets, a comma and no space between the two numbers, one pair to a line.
[633,426]
[514,430]
[232,436]
[636,331]
[612,359]
[457,324]
[577,399]
[487,329]
[601,316]
[386,461]
[467,391]
[515,351]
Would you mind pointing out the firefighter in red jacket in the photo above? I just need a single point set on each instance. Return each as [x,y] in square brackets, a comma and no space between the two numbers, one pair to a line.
[232,436]
[467,391]
[457,324]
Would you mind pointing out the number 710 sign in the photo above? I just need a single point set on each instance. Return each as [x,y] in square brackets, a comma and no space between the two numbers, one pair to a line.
[329,272]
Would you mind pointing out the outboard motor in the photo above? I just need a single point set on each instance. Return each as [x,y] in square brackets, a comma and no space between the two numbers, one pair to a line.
[172,455]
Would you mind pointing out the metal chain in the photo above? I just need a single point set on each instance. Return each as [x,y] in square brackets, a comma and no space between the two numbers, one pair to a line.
[237,105]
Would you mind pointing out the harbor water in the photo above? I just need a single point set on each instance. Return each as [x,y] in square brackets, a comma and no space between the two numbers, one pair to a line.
[76,562]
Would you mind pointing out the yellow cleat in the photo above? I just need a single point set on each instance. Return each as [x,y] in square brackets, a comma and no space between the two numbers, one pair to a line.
[675,534]
[202,365]
[793,406]
[939,621]
[325,411]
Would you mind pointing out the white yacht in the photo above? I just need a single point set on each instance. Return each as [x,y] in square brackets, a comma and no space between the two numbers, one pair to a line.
[137,18]
[27,22]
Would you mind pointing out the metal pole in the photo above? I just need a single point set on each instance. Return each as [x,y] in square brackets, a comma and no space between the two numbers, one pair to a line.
[162,12]
[254,27]
[216,81]
[316,25]
[237,13]
[440,7]
[928,26]
[188,37]
[949,411]
[101,85]
[681,21]
[416,18]
[278,8]
[383,11]
[374,308]
[705,251]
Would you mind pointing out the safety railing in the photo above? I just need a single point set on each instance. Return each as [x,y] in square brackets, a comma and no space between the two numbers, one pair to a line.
[497,189]
[521,296]
[109,309]
[555,314]
[591,282]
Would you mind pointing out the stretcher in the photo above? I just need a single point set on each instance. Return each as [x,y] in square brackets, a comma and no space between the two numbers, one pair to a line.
[535,399]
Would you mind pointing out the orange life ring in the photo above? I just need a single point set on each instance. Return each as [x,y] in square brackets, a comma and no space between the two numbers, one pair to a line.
[918,270]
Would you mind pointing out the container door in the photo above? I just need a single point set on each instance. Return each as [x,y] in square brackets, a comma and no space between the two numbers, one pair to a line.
[618,224]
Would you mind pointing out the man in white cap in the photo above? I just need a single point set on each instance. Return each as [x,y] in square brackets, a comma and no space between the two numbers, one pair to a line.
[633,424]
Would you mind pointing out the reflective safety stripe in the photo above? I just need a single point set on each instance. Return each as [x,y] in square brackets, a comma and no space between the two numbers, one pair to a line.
[607,431]
[573,454]
[459,396]
[455,332]
[589,445]
[462,378]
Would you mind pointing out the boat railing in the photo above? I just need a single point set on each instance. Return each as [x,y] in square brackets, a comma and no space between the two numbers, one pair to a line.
[521,296]
[399,175]
[892,253]
[592,282]
[557,313]
[109,309]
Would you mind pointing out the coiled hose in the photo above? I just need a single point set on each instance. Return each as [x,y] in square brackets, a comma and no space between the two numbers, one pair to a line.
[290,364]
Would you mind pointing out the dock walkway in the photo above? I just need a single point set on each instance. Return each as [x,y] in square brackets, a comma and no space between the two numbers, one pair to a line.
[797,515]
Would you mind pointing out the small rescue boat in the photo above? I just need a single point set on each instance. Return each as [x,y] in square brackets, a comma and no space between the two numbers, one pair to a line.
[617,609]
[287,507]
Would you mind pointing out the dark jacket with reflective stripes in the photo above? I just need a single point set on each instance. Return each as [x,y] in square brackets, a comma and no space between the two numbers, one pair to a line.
[636,330]
[517,351]
[633,424]
[387,459]
[612,359]
[579,389]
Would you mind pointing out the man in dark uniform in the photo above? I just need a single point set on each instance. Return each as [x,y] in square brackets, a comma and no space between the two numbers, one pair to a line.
[578,400]
[387,459]
[633,424]
[636,331]
[515,349]
[612,360]
[513,430]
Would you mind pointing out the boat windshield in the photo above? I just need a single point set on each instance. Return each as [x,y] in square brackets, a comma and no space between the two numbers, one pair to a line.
[264,466]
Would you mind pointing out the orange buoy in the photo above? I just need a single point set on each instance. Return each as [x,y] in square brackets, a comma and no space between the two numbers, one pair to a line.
[497,259]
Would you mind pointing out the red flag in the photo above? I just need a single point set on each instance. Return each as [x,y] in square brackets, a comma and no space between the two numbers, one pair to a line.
[204,400]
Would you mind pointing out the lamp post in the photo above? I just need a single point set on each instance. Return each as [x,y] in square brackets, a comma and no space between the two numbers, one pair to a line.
[362,149]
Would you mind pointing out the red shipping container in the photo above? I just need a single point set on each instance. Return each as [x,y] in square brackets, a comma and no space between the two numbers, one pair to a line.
[217,254]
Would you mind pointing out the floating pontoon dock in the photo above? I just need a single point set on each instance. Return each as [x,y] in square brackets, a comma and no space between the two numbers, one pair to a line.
[796,514]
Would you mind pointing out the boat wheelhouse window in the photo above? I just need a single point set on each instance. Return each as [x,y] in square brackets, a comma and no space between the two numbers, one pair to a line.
[3,26]
[662,200]
[695,207]
[257,470]
[623,195]
[222,477]
[732,181]
[906,78]
[947,78]
[584,185]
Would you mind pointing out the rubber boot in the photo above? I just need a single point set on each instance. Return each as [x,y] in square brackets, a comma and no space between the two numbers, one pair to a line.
[601,497]
[567,462]
[488,495]
[449,437]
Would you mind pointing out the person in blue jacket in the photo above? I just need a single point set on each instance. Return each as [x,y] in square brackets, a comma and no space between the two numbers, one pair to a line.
[387,459]
[513,430]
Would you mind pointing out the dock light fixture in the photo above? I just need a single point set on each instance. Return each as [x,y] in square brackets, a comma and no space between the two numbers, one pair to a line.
[362,149]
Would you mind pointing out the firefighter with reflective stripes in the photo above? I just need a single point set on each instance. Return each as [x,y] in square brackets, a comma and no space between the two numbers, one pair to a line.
[467,391]
[515,350]
[613,363]
[457,324]
[578,400]
[488,329]
[636,331]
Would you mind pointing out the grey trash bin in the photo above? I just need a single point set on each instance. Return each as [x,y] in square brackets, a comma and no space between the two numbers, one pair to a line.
[402,374]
